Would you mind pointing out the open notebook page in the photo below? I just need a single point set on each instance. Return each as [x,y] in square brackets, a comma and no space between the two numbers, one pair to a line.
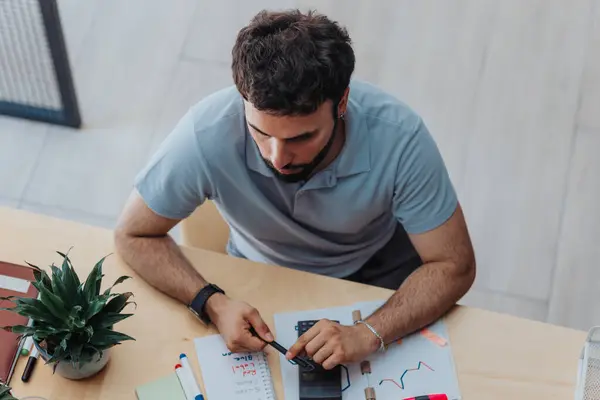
[233,376]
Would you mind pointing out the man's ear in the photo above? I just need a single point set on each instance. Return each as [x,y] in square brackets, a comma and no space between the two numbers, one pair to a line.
[343,104]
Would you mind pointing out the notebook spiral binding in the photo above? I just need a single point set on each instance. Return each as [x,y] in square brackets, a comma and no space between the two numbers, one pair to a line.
[265,376]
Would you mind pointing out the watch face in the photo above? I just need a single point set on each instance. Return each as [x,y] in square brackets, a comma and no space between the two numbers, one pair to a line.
[197,315]
[193,311]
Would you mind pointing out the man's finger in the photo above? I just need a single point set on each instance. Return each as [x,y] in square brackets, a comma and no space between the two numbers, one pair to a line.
[245,341]
[259,325]
[301,342]
[254,344]
[323,354]
[331,361]
[315,344]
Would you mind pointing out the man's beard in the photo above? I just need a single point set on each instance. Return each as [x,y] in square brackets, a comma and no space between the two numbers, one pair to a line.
[306,169]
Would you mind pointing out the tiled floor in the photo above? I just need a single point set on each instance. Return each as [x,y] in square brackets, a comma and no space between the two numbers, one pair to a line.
[510,90]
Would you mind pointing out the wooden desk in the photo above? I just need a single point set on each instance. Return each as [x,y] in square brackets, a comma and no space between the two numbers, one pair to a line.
[497,356]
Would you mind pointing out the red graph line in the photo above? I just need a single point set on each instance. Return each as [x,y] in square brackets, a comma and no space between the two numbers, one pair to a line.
[401,385]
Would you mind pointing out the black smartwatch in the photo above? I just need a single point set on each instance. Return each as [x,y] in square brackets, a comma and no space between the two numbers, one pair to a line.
[198,305]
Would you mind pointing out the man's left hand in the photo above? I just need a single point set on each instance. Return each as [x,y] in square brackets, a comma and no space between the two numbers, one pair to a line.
[328,343]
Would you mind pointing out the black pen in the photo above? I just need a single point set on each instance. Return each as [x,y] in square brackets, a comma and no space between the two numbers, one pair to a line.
[304,363]
[30,364]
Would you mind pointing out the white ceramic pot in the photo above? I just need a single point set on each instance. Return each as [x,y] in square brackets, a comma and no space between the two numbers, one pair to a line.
[79,370]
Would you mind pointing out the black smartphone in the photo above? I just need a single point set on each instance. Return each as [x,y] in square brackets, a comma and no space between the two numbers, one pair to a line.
[318,383]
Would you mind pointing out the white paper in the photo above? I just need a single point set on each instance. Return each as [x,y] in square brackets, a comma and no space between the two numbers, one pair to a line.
[233,376]
[415,367]
[14,284]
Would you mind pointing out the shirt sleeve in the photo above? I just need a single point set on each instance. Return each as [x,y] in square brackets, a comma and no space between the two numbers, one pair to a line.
[424,197]
[176,180]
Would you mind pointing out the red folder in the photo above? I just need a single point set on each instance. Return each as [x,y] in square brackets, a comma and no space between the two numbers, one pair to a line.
[11,284]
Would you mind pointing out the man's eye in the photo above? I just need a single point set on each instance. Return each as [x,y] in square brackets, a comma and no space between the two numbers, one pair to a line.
[301,138]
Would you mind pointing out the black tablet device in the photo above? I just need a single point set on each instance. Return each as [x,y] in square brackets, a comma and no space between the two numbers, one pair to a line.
[319,383]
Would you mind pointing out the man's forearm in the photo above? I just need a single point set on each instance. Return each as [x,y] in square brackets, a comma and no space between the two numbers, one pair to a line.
[425,296]
[160,262]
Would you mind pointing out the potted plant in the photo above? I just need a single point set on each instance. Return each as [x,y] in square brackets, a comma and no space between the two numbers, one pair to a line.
[72,322]
[5,393]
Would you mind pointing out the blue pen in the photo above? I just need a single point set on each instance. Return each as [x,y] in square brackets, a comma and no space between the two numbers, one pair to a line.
[189,383]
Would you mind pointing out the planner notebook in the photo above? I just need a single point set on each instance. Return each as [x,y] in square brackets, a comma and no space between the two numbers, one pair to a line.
[164,388]
[14,281]
[233,376]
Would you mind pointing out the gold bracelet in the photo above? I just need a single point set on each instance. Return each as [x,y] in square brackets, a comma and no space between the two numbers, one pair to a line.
[382,346]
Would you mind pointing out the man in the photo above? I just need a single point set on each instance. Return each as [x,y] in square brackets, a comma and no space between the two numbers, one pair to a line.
[313,171]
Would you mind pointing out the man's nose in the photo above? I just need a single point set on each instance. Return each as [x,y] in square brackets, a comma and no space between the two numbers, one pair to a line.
[279,157]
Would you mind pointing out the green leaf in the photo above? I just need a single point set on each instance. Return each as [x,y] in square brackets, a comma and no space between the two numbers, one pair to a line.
[5,393]
[20,329]
[40,276]
[38,310]
[107,320]
[90,332]
[55,271]
[94,308]
[90,351]
[39,285]
[75,319]
[91,288]
[70,278]
[30,302]
[64,343]
[33,266]
[75,352]
[79,323]
[59,289]
[3,390]
[118,303]
[121,280]
[118,281]
[107,337]
[59,355]
[35,313]
[49,332]
[54,304]
[105,347]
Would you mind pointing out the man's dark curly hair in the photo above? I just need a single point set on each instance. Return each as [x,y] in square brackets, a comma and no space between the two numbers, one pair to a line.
[289,62]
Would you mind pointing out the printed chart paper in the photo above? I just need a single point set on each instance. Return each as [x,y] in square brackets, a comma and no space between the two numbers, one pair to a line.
[420,364]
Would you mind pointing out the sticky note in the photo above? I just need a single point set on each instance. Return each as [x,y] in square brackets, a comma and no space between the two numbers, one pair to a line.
[14,284]
[440,341]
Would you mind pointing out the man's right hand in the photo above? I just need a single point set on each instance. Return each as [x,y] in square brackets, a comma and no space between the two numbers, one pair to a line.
[233,319]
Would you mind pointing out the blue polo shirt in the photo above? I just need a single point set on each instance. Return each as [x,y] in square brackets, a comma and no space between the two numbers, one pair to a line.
[389,172]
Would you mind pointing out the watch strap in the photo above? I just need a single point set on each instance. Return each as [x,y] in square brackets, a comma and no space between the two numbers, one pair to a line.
[198,304]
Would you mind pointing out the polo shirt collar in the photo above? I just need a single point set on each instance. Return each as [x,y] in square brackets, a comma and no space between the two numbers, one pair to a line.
[355,157]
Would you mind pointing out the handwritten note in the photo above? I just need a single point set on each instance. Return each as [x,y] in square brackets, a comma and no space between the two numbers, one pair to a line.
[228,375]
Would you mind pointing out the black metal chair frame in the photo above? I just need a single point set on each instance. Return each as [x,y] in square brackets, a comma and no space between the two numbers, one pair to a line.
[69,114]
